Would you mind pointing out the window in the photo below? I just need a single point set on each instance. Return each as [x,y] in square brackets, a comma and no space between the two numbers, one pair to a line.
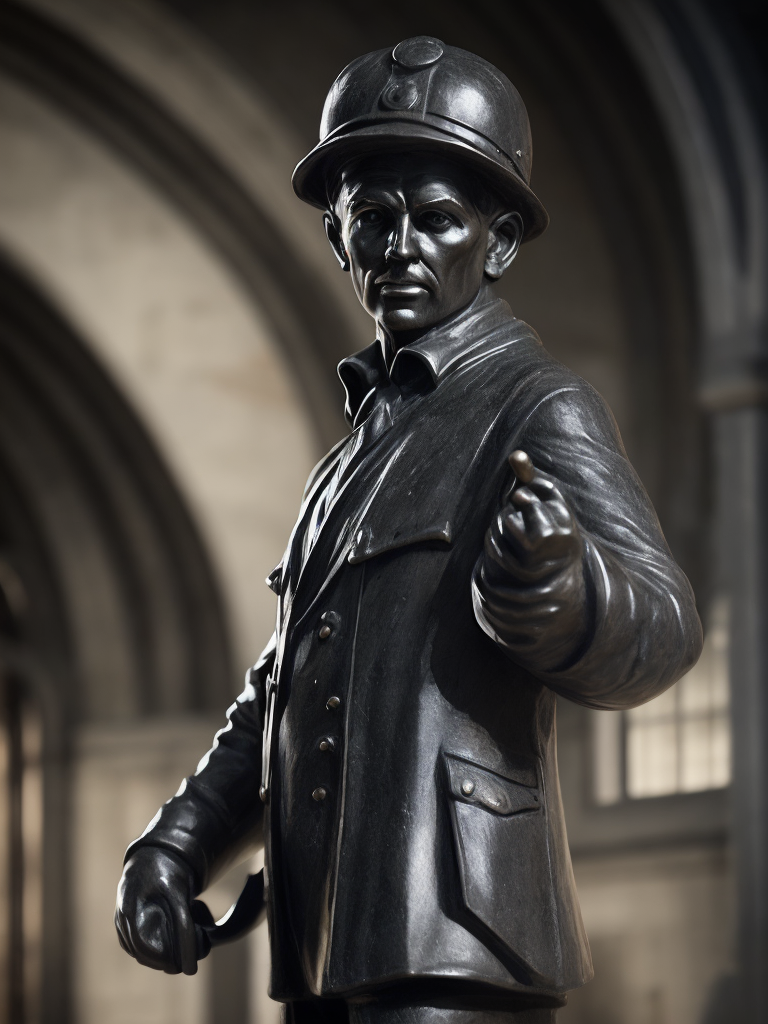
[677,743]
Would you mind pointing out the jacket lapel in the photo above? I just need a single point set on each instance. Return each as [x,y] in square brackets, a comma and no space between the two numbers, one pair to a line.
[405,486]
[392,498]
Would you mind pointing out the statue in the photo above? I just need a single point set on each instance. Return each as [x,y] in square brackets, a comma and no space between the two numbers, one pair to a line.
[476,545]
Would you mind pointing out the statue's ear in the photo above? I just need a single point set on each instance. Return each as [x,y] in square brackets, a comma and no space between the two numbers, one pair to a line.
[333,231]
[504,237]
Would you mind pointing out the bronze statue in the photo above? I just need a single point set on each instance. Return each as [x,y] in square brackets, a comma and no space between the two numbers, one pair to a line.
[478,544]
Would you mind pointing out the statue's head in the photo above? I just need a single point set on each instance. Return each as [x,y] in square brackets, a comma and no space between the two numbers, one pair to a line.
[423,172]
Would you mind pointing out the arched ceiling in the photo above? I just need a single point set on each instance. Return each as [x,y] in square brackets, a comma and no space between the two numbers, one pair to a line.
[145,88]
[122,608]
[161,312]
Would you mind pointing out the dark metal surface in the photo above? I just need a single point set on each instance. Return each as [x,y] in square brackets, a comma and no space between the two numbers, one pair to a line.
[242,917]
[424,93]
[478,544]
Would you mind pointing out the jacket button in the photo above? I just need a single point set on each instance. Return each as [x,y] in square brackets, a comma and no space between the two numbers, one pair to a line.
[467,787]
[332,703]
[325,632]
[320,793]
[327,743]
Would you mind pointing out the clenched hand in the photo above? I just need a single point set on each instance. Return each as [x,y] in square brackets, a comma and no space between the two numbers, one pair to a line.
[154,916]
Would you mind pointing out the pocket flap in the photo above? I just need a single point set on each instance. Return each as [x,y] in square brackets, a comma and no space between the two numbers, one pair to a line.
[472,784]
[370,541]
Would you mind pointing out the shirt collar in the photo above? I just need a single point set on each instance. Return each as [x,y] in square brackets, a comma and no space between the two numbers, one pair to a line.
[427,361]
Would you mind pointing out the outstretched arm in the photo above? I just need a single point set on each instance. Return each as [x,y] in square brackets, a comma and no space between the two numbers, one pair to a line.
[576,582]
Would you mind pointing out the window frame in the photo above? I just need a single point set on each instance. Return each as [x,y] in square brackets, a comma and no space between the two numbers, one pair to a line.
[633,821]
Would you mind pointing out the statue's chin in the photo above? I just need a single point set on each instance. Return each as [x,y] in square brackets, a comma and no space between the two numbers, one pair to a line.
[418,312]
[406,318]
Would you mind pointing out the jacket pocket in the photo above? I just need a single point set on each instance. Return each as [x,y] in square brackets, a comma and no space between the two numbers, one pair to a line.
[376,539]
[500,833]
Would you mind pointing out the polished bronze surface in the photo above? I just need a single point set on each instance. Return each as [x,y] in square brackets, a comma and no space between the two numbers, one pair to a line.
[484,544]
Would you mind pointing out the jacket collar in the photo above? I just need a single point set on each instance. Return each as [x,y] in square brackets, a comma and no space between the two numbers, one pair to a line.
[427,361]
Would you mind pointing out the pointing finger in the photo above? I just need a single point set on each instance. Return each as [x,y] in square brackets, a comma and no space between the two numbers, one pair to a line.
[522,466]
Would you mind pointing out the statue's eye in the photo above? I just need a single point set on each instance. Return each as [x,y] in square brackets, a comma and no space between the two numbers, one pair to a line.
[436,220]
[371,217]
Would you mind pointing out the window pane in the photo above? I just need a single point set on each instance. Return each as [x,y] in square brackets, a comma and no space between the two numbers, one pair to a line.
[721,751]
[696,691]
[652,758]
[606,745]
[678,743]
[719,683]
[696,754]
[662,708]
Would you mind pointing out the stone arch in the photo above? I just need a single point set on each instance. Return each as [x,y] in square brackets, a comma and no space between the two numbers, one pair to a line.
[120,613]
[268,255]
[125,552]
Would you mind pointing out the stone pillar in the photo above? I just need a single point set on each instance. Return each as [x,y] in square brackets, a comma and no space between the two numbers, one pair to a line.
[702,70]
[742,467]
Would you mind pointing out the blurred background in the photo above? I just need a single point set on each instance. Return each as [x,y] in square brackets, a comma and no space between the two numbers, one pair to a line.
[170,322]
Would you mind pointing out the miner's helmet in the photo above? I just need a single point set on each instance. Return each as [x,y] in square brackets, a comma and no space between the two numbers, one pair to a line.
[426,94]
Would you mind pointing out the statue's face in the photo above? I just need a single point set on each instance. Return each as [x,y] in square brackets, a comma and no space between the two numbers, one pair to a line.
[417,246]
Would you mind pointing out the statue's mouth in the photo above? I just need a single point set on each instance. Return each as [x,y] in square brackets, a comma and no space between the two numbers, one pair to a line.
[402,288]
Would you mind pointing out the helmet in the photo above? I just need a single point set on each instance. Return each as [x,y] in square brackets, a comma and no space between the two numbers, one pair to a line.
[426,94]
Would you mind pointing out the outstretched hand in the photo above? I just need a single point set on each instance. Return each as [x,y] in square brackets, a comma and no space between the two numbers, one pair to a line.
[535,525]
[530,586]
[153,916]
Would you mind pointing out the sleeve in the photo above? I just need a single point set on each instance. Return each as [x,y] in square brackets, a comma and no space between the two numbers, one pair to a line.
[639,630]
[217,812]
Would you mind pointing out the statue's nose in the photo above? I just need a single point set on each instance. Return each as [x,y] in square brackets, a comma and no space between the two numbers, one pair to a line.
[402,243]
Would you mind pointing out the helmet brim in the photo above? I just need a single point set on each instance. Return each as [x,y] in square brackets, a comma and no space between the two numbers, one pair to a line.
[315,172]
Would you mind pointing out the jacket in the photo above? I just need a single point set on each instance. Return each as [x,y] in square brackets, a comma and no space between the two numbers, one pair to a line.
[414,826]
